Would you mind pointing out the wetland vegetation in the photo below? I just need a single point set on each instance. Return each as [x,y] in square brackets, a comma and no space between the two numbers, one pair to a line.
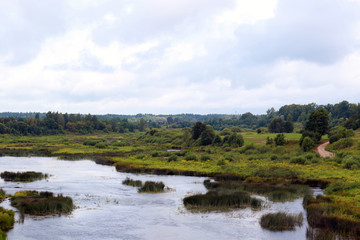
[239,152]
[281,221]
[41,203]
[28,176]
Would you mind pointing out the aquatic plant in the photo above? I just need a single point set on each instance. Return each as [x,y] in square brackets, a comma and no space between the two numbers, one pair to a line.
[131,182]
[214,200]
[152,187]
[28,176]
[43,203]
[281,221]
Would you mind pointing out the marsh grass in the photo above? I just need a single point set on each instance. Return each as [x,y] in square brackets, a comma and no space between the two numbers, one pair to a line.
[274,192]
[43,203]
[152,187]
[2,195]
[214,200]
[281,221]
[28,176]
[131,182]
[329,214]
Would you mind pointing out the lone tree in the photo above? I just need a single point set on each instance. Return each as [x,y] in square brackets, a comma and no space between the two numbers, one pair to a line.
[316,126]
[318,122]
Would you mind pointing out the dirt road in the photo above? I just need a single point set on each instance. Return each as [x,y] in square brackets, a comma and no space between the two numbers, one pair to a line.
[321,150]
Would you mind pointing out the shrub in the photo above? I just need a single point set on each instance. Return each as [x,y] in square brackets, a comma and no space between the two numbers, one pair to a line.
[269,141]
[91,142]
[7,219]
[205,157]
[307,144]
[342,144]
[351,162]
[190,156]
[281,221]
[274,157]
[280,140]
[172,158]
[101,145]
[298,160]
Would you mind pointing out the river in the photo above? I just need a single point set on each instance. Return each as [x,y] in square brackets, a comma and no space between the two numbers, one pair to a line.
[107,209]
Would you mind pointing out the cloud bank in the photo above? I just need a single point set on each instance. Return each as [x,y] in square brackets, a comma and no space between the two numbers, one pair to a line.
[177,57]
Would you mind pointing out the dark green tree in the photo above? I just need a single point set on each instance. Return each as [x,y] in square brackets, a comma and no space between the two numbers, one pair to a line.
[318,123]
[197,129]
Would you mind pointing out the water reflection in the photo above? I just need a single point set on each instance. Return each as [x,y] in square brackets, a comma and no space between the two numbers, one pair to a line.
[107,209]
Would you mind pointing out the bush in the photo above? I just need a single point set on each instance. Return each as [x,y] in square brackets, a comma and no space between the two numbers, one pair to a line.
[274,157]
[205,157]
[298,160]
[101,145]
[172,158]
[190,156]
[91,142]
[281,221]
[351,162]
[7,219]
[342,144]
[280,140]
[307,144]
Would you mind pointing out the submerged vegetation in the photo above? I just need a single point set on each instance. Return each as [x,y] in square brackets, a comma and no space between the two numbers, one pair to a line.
[22,176]
[41,203]
[281,221]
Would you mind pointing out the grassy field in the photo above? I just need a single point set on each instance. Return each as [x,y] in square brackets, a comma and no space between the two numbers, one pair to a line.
[166,152]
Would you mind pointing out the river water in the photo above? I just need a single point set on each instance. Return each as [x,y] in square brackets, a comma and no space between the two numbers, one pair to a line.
[107,209]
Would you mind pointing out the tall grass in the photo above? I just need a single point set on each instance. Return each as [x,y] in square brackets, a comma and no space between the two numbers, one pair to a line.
[281,221]
[152,187]
[28,176]
[43,203]
[131,182]
[213,200]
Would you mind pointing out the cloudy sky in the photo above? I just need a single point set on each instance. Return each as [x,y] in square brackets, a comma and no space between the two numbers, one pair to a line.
[181,56]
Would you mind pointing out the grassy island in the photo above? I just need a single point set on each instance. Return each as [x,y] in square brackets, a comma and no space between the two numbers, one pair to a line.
[41,203]
[28,176]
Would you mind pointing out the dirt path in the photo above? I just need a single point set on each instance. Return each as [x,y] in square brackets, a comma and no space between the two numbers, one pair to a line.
[321,150]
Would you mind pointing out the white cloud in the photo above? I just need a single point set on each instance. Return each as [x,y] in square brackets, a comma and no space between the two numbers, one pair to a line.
[185,56]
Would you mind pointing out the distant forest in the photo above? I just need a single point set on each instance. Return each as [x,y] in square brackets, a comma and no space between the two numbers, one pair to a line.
[344,113]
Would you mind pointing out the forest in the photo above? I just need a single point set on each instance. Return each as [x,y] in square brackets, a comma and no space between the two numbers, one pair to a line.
[288,118]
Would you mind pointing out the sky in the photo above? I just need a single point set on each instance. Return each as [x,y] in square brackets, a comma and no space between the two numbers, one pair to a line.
[181,56]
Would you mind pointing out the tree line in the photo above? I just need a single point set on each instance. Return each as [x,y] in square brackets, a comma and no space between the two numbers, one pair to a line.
[344,113]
